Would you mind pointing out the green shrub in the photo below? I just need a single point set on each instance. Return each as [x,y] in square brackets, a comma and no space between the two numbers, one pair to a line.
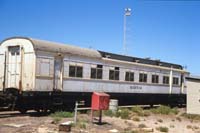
[109,113]
[137,109]
[163,129]
[165,110]
[175,111]
[62,114]
[124,113]
[82,125]
[162,110]
[140,111]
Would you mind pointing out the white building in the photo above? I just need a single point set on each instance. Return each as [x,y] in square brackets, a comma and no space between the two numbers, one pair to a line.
[193,95]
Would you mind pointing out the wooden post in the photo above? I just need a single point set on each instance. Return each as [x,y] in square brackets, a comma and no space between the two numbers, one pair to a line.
[91,115]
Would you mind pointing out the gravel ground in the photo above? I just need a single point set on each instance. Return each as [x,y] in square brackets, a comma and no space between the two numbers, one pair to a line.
[14,122]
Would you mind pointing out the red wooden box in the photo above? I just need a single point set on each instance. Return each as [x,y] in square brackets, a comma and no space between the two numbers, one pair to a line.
[100,101]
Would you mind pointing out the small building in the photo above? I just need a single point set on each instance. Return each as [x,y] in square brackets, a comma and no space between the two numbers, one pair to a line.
[193,95]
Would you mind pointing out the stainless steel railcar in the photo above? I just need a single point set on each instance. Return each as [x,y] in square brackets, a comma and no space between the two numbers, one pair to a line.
[42,75]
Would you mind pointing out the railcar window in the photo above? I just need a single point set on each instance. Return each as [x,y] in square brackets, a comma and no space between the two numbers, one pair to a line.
[129,76]
[114,74]
[79,72]
[143,77]
[75,71]
[165,79]
[96,72]
[14,50]
[155,79]
[175,81]
[72,71]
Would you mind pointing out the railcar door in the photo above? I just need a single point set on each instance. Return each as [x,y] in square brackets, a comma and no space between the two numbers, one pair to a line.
[13,67]
[58,74]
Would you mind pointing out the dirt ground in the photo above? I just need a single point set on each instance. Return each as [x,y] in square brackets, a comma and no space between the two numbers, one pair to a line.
[14,122]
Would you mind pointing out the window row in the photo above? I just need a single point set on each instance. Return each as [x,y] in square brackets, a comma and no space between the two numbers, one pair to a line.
[97,73]
[45,68]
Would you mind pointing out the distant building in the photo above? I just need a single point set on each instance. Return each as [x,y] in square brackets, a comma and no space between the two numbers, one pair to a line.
[193,94]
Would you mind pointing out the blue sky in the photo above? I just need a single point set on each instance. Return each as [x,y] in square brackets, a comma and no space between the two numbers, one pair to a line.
[166,30]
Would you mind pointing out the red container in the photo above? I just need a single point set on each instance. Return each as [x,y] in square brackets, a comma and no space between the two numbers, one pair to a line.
[100,101]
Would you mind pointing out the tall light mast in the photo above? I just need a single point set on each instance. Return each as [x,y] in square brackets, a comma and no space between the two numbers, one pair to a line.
[127,13]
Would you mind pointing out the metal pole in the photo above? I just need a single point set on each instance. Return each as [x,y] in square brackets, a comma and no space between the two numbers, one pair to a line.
[75,112]
[124,40]
[127,13]
[170,81]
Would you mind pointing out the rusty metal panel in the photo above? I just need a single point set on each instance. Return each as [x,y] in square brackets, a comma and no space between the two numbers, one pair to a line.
[44,66]
[13,70]
[44,73]
[43,84]
[28,71]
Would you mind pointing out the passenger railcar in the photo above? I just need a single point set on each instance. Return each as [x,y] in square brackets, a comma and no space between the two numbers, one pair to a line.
[42,75]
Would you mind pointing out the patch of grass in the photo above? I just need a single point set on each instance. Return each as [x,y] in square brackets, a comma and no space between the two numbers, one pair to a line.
[140,111]
[191,116]
[62,114]
[95,113]
[123,113]
[160,120]
[142,126]
[175,111]
[161,110]
[137,109]
[136,119]
[82,125]
[162,129]
[109,113]
[84,120]
[164,110]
